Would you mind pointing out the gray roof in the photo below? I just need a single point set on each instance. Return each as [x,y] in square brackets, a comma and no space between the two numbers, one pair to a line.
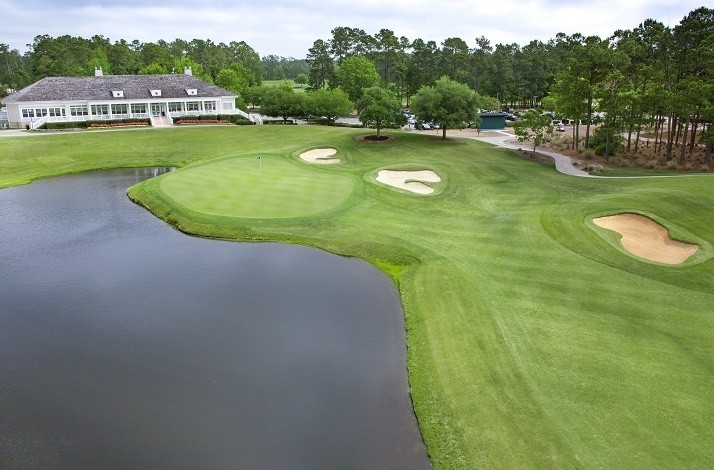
[101,88]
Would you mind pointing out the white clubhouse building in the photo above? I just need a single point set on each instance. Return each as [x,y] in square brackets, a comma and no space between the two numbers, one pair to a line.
[159,98]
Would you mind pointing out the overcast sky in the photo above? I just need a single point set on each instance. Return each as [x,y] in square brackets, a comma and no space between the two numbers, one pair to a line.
[288,28]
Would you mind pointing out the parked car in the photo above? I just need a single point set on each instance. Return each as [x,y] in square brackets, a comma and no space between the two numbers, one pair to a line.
[560,127]
[422,126]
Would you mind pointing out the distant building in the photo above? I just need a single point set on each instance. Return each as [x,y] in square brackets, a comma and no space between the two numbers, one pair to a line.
[490,121]
[104,97]
[4,122]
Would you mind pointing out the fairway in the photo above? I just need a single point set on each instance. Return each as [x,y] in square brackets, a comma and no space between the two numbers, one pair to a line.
[263,187]
[534,339]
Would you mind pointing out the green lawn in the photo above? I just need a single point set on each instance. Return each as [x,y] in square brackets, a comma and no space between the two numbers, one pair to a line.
[533,340]
[296,87]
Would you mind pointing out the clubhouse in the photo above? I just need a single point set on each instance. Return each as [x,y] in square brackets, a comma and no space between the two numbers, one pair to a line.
[160,98]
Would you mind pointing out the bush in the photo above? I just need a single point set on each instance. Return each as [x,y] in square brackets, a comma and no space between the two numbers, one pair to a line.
[589,153]
[598,141]
[671,164]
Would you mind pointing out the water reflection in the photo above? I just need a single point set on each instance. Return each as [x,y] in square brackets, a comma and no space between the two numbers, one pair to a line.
[124,343]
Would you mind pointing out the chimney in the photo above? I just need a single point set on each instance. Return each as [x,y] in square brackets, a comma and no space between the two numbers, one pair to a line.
[187,71]
[98,72]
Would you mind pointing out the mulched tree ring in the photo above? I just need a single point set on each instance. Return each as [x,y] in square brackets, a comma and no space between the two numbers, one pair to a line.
[374,138]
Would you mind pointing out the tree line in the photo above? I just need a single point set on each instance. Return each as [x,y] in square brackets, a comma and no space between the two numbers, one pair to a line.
[652,75]
[76,56]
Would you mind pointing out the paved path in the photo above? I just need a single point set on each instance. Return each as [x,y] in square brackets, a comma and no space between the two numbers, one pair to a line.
[563,163]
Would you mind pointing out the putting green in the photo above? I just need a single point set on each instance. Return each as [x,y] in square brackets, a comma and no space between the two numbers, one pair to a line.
[256,188]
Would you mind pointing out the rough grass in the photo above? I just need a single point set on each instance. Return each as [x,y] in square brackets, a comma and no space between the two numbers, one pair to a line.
[533,341]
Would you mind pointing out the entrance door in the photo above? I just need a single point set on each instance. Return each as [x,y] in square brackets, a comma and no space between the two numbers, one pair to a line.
[156,109]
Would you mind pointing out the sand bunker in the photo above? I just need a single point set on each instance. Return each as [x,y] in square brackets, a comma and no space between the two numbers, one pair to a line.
[321,156]
[410,180]
[647,239]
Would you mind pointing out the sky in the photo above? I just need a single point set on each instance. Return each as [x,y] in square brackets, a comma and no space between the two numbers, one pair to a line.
[289,28]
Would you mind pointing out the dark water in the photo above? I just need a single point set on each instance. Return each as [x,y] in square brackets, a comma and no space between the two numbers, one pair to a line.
[126,344]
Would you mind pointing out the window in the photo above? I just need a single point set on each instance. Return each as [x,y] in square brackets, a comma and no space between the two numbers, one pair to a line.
[100,109]
[227,105]
[56,112]
[78,110]
[175,107]
[191,91]
[209,105]
[28,113]
[119,109]
[155,92]
[40,112]
[193,106]
[118,93]
[138,108]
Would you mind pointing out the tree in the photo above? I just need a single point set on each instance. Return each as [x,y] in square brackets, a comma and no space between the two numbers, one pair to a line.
[196,69]
[331,104]
[254,95]
[355,74]
[281,101]
[322,69]
[533,126]
[379,108]
[153,69]
[448,103]
[301,79]
[230,80]
[244,54]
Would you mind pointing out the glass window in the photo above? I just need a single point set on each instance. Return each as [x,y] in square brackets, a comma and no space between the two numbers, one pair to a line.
[78,110]
[227,105]
[193,106]
[41,112]
[28,113]
[175,106]
[100,109]
[138,108]
[119,109]
[56,112]
[209,105]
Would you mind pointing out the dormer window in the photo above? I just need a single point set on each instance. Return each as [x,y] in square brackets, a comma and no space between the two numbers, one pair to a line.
[155,92]
[118,93]
[191,91]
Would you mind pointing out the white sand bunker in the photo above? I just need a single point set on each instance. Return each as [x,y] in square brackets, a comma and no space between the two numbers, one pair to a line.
[410,180]
[321,156]
[647,239]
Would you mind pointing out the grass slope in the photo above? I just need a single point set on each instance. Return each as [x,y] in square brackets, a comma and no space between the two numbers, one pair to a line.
[533,340]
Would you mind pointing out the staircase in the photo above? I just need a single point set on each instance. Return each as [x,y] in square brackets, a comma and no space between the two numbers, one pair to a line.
[161,121]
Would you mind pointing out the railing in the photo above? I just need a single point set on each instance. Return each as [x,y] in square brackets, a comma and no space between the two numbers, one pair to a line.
[171,115]
[38,123]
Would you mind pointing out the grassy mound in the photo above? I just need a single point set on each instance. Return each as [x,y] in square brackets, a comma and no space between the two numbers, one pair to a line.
[532,341]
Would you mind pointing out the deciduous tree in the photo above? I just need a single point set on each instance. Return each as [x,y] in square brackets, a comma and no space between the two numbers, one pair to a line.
[448,103]
[379,108]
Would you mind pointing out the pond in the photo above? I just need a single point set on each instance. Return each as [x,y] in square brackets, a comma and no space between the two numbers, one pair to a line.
[125,343]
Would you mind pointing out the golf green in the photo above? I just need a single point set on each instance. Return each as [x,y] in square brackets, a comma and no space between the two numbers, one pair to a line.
[256,187]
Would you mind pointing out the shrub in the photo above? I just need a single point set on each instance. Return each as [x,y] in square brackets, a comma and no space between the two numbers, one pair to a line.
[704,168]
[598,141]
[589,153]
[671,164]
